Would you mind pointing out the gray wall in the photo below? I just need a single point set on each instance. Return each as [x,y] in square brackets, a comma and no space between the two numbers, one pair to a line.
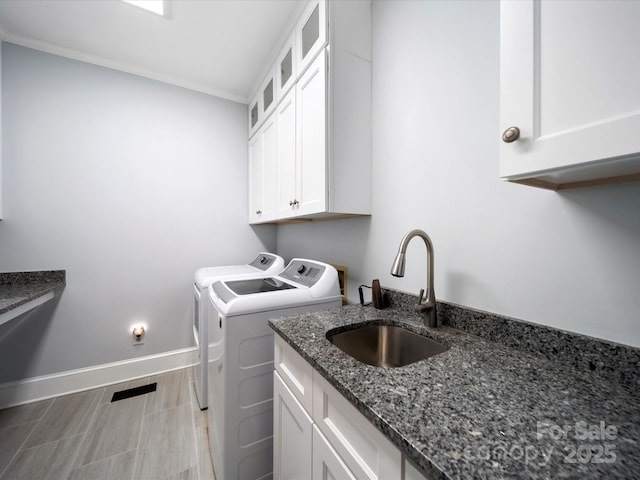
[129,185]
[569,260]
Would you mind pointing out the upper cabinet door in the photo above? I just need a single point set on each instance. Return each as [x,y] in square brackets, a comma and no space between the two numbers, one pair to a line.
[311,139]
[262,173]
[311,33]
[285,117]
[286,71]
[256,179]
[268,94]
[255,114]
[569,83]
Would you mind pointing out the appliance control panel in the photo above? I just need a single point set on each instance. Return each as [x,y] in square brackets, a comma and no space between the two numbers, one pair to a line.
[263,261]
[304,272]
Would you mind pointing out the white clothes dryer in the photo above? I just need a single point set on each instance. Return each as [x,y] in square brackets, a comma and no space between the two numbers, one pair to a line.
[240,411]
[264,265]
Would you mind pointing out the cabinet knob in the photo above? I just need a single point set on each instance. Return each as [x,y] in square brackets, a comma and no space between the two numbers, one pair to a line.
[258,212]
[293,202]
[511,134]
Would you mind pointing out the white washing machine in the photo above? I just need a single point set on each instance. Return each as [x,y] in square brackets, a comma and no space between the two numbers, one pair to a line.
[241,379]
[264,265]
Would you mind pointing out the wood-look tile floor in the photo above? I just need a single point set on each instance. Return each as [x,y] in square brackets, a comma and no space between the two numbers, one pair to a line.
[160,435]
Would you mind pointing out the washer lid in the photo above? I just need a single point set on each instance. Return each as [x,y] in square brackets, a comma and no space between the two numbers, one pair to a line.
[265,264]
[258,285]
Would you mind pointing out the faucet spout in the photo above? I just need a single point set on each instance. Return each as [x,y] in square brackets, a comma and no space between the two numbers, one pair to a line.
[397,270]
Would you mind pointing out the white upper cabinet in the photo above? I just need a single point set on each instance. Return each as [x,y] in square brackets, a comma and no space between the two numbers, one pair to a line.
[323,115]
[570,72]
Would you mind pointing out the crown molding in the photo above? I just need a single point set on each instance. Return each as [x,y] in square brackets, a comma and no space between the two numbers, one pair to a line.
[123,67]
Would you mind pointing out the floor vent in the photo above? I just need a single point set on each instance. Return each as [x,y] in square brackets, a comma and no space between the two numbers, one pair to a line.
[133,392]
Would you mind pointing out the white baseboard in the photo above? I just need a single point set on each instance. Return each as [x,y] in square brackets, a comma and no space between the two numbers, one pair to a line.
[47,386]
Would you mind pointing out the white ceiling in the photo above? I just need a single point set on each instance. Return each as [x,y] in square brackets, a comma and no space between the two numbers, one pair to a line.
[214,46]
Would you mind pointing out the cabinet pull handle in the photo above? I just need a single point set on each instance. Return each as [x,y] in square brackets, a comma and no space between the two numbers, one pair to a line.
[511,134]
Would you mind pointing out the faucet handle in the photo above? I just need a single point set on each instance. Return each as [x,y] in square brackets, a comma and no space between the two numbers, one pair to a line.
[420,296]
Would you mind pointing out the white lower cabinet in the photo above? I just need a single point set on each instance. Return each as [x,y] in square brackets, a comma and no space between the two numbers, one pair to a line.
[327,465]
[319,434]
[365,450]
[291,434]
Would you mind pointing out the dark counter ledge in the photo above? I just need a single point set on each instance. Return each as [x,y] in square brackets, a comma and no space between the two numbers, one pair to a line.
[19,288]
[484,409]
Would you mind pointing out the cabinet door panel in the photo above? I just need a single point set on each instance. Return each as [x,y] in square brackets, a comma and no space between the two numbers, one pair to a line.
[295,372]
[255,178]
[268,94]
[269,173]
[286,72]
[262,173]
[311,125]
[255,114]
[311,33]
[291,435]
[366,451]
[411,472]
[569,76]
[327,465]
[286,181]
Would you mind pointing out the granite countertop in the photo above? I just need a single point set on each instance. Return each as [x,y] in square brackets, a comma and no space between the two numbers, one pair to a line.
[481,409]
[19,288]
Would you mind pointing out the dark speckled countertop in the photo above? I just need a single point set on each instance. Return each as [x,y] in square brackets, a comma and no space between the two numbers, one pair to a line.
[481,409]
[18,288]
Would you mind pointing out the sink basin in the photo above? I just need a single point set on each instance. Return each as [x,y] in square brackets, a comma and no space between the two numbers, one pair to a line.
[386,346]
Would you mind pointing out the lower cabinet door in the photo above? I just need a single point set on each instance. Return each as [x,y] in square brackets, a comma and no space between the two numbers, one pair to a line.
[327,465]
[363,448]
[291,435]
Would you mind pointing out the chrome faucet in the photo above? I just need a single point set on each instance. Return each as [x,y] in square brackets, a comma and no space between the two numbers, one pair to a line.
[397,270]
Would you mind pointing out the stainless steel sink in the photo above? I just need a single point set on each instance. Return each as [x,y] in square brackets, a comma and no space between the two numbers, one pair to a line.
[386,346]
